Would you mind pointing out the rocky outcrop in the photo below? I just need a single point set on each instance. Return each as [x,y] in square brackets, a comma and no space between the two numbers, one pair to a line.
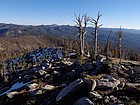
[71,82]
[107,82]
[70,89]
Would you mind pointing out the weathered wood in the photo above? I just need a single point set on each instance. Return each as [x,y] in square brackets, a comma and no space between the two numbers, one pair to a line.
[81,23]
[96,25]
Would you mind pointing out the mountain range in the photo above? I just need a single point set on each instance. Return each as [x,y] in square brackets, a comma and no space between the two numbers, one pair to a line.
[131,37]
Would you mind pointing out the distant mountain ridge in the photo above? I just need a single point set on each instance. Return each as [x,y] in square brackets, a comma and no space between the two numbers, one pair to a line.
[131,37]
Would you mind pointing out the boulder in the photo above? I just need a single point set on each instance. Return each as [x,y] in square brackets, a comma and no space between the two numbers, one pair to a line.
[132,88]
[99,60]
[33,86]
[102,68]
[48,87]
[88,66]
[110,100]
[124,98]
[95,95]
[113,99]
[12,94]
[130,72]
[107,82]
[73,87]
[72,74]
[42,72]
[56,73]
[91,84]
[106,99]
[83,101]
[36,92]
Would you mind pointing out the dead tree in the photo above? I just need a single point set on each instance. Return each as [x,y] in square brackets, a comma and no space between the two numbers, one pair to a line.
[107,45]
[81,24]
[119,36]
[95,23]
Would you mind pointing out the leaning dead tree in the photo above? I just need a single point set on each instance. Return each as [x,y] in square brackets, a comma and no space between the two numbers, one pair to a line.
[81,24]
[119,36]
[95,23]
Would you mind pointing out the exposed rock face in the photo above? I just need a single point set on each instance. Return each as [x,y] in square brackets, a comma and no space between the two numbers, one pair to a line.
[70,89]
[83,101]
[40,84]
[107,82]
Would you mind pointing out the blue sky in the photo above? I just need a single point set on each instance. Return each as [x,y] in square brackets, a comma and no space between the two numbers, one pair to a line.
[116,13]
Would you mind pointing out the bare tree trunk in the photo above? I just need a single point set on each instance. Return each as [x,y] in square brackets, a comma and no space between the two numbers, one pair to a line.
[120,43]
[81,42]
[96,40]
[120,49]
[95,24]
[81,20]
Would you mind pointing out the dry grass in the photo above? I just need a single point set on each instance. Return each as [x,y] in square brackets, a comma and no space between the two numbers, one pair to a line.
[17,46]
[94,77]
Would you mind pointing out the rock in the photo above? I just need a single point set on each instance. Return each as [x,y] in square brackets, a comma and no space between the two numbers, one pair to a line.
[123,67]
[62,85]
[83,101]
[118,104]
[136,85]
[102,68]
[12,94]
[99,60]
[73,87]
[132,88]
[15,86]
[91,84]
[106,99]
[71,74]
[87,66]
[47,76]
[133,102]
[124,98]
[48,87]
[130,72]
[42,72]
[36,92]
[56,73]
[110,100]
[107,82]
[94,95]
[66,62]
[121,85]
[113,99]
[33,86]
[44,63]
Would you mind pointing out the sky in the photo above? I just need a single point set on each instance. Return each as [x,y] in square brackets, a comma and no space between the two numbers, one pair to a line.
[116,13]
